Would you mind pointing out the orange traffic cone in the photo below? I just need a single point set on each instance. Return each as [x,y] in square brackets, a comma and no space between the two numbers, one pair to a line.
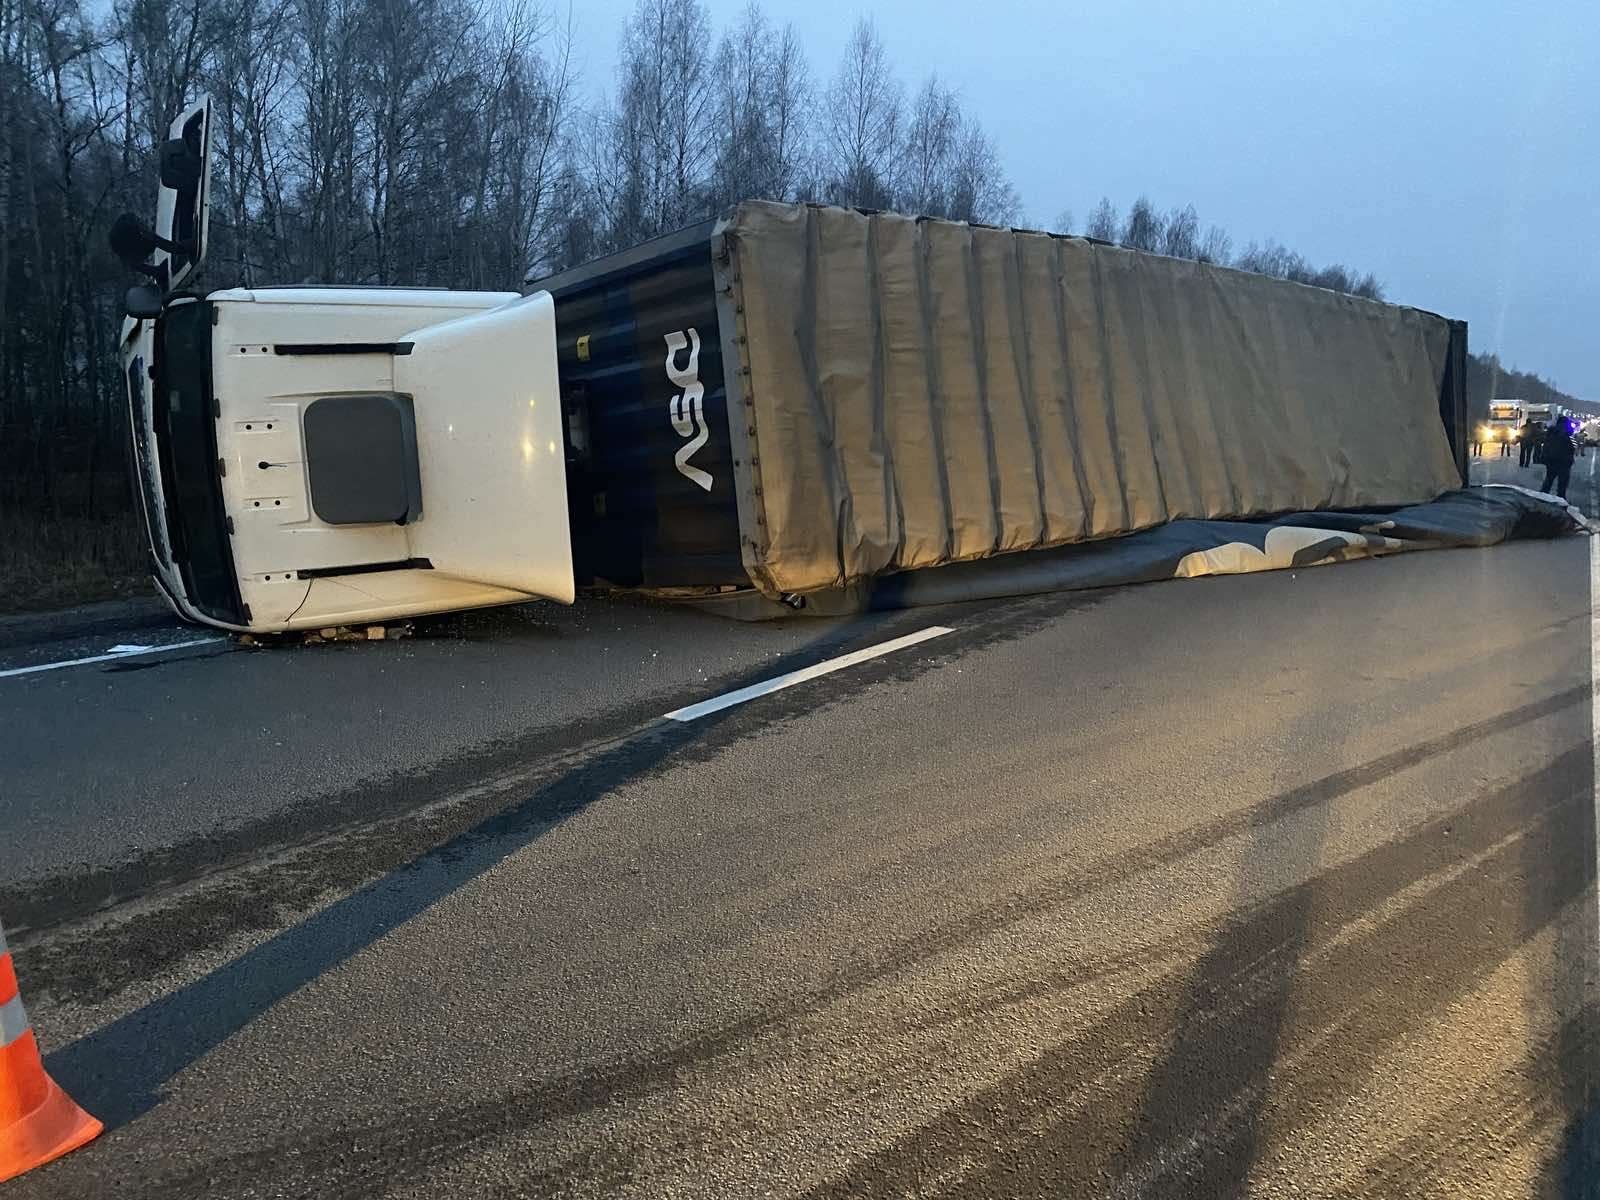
[38,1121]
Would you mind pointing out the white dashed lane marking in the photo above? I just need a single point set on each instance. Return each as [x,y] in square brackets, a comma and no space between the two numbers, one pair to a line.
[116,652]
[778,682]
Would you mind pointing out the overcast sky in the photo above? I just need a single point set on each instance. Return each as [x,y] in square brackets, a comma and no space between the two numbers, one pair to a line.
[1449,147]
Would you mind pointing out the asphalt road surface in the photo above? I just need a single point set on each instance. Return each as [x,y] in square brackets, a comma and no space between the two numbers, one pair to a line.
[1274,885]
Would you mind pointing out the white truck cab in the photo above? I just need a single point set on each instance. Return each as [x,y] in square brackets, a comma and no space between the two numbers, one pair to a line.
[1505,417]
[316,456]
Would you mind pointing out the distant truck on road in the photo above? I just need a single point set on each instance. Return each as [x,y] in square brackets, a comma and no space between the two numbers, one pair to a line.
[1543,414]
[1505,416]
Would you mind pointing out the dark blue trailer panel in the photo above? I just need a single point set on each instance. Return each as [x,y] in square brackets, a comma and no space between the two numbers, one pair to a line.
[649,464]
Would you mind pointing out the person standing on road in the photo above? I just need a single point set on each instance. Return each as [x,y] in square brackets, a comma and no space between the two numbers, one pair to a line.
[1528,433]
[1558,449]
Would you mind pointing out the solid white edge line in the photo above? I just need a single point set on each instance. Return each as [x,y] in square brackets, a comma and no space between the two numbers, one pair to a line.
[1594,701]
[778,682]
[94,658]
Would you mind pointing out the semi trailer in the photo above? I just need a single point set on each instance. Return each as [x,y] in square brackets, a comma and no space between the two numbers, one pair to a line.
[788,399]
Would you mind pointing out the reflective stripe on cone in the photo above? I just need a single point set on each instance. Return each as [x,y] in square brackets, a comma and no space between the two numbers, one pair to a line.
[38,1121]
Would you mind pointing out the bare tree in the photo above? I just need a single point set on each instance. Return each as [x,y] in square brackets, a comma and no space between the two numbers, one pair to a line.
[1181,237]
[167,45]
[521,122]
[862,123]
[1103,221]
[979,189]
[1216,246]
[662,135]
[1334,278]
[1144,227]
[790,115]
[326,142]
[948,165]
[248,79]
[1270,259]
[1063,222]
[762,90]
[421,78]
[932,135]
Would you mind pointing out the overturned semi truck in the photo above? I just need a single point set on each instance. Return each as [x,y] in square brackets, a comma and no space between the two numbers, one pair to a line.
[782,402]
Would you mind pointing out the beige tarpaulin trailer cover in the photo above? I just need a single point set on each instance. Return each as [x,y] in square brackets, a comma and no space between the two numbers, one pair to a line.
[905,393]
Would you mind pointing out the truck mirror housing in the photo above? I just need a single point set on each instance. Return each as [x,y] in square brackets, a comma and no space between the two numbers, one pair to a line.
[142,301]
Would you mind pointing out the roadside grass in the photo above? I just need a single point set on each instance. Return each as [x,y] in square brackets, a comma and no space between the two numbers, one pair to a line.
[48,563]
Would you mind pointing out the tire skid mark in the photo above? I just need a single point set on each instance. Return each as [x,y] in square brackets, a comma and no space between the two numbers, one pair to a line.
[1364,993]
[1497,1114]
[1442,931]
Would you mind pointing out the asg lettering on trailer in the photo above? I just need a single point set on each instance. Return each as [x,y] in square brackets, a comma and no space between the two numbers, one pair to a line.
[687,408]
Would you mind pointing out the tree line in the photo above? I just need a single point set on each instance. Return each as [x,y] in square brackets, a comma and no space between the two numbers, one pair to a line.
[434,142]
[1489,379]
[1177,233]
